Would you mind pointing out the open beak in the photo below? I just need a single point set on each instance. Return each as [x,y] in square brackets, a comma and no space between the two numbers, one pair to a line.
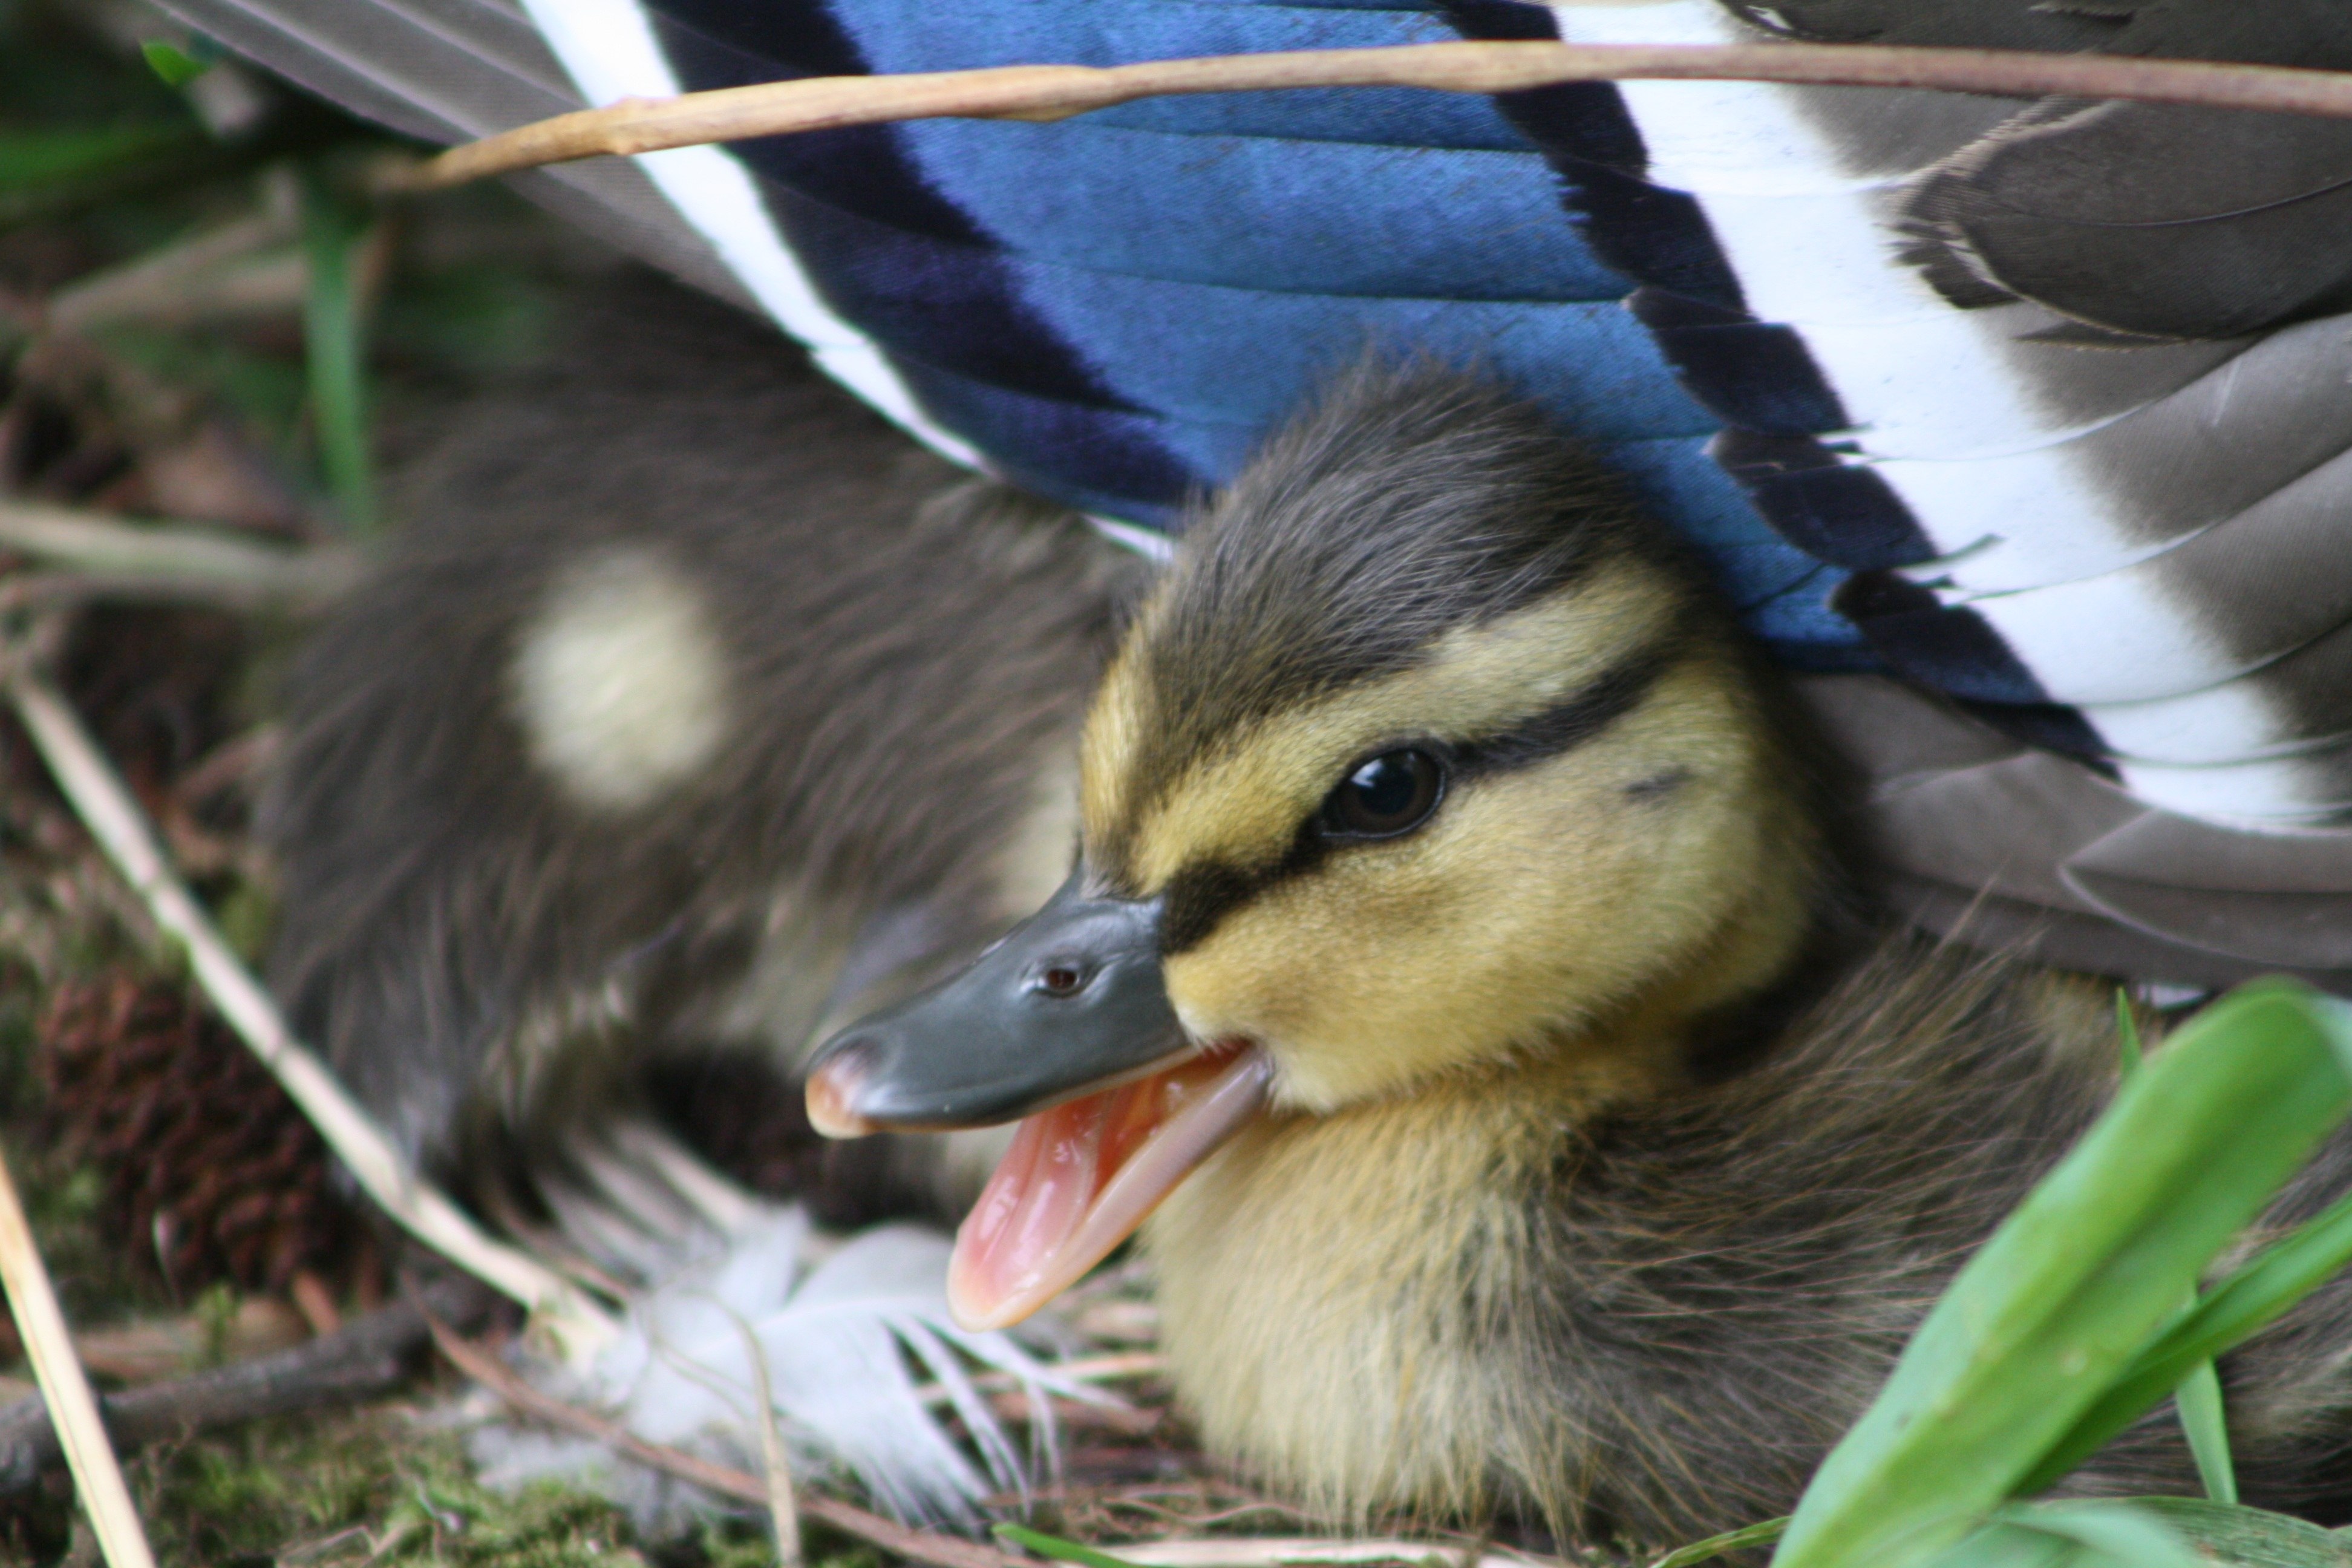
[1065,1023]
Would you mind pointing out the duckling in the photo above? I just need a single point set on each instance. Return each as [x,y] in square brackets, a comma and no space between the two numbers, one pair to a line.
[1465,984]
[692,708]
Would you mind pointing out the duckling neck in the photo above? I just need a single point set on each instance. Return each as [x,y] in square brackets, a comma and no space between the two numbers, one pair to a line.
[1357,1304]
[1574,1290]
[1334,1290]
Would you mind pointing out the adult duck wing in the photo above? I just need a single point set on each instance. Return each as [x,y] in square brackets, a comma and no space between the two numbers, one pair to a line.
[1911,368]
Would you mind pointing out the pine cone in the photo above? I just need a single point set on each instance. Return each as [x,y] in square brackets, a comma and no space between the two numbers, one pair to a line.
[211,1172]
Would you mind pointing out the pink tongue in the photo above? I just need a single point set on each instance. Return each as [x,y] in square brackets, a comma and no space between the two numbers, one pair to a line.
[1079,1177]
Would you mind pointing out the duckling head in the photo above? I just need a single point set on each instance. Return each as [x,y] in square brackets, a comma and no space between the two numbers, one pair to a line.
[1429,757]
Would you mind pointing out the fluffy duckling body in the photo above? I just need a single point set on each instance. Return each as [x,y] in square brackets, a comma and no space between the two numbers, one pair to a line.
[1531,1126]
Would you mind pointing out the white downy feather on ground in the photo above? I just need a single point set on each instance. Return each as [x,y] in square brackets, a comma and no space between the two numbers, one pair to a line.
[844,1326]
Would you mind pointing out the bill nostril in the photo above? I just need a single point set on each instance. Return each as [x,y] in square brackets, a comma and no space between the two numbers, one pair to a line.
[1060,980]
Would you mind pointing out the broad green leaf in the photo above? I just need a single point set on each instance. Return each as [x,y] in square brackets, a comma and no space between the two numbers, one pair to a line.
[335,343]
[1715,1546]
[2078,1280]
[2197,1400]
[1059,1550]
[2232,1311]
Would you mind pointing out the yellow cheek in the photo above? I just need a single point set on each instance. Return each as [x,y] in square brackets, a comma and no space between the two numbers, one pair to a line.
[1537,900]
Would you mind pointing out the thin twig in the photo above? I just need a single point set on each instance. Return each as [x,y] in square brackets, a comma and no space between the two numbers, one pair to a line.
[1054,92]
[366,1356]
[98,1476]
[161,282]
[177,560]
[115,819]
[146,1351]
[1127,1420]
[51,590]
[922,1545]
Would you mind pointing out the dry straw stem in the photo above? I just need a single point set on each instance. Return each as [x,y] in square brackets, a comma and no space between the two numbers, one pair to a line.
[781,1511]
[244,266]
[577,1325]
[1055,92]
[920,1545]
[172,559]
[98,1478]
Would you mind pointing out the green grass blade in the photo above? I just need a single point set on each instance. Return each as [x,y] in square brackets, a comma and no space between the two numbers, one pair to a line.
[1059,1550]
[2237,1537]
[2077,1281]
[44,172]
[335,343]
[30,159]
[2105,1532]
[2282,1275]
[1715,1546]
[175,65]
[2199,1400]
[2128,1034]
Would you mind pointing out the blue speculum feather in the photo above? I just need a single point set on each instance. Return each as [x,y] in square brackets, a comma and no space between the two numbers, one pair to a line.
[1104,307]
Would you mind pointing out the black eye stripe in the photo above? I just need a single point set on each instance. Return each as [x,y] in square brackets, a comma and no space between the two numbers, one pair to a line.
[1580,717]
[1201,894]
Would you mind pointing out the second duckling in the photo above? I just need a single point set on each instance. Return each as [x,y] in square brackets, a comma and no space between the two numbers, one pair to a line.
[686,677]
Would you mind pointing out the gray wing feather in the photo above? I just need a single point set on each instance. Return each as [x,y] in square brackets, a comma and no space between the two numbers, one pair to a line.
[2278,896]
[451,71]
[2154,220]
[1986,839]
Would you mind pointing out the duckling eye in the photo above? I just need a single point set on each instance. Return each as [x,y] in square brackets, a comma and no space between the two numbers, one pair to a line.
[1391,793]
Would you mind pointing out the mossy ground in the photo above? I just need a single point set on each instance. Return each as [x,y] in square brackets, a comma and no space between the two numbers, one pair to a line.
[372,1487]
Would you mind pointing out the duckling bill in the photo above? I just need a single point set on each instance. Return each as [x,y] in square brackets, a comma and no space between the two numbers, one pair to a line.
[1460,983]
[1065,1024]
